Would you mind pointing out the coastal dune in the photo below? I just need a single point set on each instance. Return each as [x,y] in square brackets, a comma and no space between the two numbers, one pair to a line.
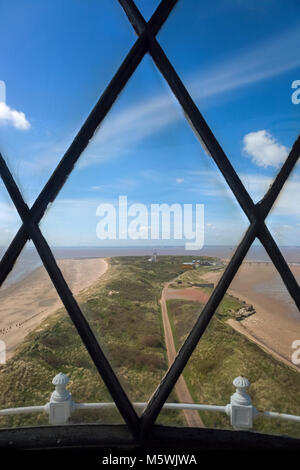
[276,323]
[26,303]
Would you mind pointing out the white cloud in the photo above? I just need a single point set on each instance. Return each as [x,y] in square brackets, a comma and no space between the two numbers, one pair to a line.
[270,58]
[287,203]
[15,118]
[179,180]
[264,149]
[211,184]
[122,131]
[257,185]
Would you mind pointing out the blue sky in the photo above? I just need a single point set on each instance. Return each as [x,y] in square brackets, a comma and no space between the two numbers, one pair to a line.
[238,60]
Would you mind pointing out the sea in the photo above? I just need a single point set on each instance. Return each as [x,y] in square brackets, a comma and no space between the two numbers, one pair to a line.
[30,260]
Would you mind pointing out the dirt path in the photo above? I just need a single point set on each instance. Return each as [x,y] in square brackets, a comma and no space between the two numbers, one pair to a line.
[191,416]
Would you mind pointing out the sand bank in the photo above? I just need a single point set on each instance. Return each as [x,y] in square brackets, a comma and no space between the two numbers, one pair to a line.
[25,304]
[276,323]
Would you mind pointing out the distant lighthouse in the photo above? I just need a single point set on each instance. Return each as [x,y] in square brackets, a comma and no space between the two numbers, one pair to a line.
[153,258]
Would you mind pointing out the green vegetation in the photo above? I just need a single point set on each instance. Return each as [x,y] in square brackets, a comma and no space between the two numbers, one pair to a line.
[223,354]
[192,277]
[124,312]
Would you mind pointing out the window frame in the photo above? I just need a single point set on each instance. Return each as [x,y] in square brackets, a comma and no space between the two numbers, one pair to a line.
[140,427]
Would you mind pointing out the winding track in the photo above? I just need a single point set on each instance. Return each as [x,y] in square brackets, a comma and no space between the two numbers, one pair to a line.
[192,417]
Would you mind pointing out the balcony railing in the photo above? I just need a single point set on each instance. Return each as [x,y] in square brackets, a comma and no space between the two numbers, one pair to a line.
[240,410]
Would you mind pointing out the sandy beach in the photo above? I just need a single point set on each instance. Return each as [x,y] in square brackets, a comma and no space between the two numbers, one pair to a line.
[276,323]
[25,304]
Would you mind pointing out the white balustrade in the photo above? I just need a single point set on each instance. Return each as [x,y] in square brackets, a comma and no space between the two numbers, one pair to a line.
[240,409]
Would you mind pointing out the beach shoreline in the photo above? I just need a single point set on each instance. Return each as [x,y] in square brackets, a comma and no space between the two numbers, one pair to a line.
[276,323]
[26,303]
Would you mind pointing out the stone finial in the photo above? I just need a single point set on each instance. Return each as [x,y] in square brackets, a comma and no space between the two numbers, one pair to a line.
[240,409]
[60,393]
[241,382]
[60,379]
[241,397]
[60,405]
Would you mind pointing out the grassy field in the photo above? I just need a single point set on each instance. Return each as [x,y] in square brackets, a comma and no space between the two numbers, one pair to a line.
[221,355]
[124,312]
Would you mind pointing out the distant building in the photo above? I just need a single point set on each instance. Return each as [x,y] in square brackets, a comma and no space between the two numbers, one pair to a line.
[196,263]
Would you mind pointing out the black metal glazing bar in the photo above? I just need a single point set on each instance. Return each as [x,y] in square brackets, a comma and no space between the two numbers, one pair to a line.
[271,195]
[257,228]
[264,206]
[31,217]
[224,165]
[71,156]
[168,382]
[254,213]
[280,263]
[202,130]
[191,111]
[123,403]
[87,131]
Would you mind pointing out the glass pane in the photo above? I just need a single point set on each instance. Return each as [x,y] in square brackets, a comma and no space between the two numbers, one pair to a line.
[241,71]
[145,153]
[10,221]
[147,8]
[252,334]
[284,218]
[55,78]
[41,341]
